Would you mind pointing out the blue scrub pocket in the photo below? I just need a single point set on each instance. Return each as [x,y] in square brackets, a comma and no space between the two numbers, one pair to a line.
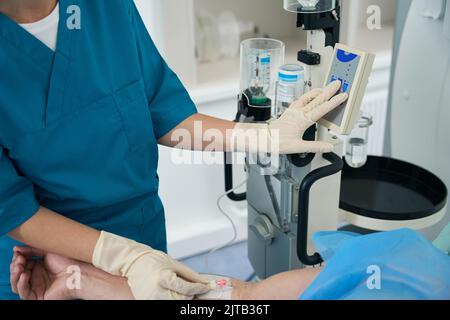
[133,107]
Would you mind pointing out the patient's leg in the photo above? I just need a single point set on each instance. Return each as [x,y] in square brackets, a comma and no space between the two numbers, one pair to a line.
[283,286]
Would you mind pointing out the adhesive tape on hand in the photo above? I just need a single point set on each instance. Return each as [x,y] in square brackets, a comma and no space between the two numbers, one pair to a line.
[221,288]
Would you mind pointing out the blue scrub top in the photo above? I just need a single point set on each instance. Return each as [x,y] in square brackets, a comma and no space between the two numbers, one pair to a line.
[79,126]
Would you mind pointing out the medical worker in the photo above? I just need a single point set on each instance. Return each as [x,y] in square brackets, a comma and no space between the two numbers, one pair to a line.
[85,98]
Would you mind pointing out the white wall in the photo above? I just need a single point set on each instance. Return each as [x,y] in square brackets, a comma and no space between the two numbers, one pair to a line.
[170,24]
[269,15]
[151,12]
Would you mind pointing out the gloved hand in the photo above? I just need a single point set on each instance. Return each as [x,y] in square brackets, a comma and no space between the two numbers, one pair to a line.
[284,135]
[443,241]
[151,274]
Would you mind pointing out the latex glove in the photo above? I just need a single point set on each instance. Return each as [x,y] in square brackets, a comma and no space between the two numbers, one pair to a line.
[151,274]
[284,135]
[443,241]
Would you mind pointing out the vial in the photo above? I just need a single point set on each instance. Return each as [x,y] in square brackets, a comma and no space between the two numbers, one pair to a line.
[290,87]
[356,150]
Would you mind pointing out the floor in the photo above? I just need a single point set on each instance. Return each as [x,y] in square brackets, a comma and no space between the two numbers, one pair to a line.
[231,262]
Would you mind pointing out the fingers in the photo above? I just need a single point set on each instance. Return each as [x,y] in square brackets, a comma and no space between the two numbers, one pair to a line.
[306,99]
[28,252]
[17,267]
[327,93]
[20,271]
[23,287]
[188,274]
[175,283]
[178,283]
[332,88]
[320,111]
[176,296]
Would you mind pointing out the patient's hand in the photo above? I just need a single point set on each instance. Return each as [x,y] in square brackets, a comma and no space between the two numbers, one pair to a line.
[43,279]
[48,279]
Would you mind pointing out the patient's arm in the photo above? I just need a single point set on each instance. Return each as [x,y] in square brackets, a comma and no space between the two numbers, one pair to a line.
[96,284]
[284,286]
[99,285]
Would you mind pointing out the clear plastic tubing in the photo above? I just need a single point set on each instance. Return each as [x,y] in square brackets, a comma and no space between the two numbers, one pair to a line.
[356,146]
[290,87]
